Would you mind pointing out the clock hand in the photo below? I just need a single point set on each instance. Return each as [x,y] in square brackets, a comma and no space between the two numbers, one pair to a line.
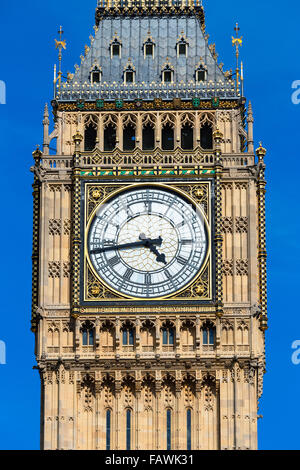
[160,257]
[147,242]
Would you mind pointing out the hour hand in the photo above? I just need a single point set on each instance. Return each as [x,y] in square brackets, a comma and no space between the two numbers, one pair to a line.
[160,257]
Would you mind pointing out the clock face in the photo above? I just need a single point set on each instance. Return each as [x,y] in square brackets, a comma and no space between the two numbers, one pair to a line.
[147,242]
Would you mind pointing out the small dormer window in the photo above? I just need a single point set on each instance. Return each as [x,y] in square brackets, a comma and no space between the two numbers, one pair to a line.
[129,74]
[115,48]
[96,75]
[167,76]
[129,77]
[182,47]
[200,74]
[149,48]
[167,73]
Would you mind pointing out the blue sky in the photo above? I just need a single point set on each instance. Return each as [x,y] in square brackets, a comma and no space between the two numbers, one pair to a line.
[271,58]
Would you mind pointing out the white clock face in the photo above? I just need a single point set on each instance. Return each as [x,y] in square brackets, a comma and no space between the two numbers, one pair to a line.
[147,242]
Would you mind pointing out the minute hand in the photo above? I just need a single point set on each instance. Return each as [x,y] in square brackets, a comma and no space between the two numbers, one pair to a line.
[147,242]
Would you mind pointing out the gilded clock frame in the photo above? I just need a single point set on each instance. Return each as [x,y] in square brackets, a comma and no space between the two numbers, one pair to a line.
[94,291]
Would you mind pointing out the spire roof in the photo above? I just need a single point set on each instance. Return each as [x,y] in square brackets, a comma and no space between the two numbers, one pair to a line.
[163,23]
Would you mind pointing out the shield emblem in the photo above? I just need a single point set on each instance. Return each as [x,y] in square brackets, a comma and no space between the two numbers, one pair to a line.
[196,102]
[100,104]
[119,104]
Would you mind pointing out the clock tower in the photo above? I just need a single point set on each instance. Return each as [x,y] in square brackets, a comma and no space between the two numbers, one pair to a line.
[149,258]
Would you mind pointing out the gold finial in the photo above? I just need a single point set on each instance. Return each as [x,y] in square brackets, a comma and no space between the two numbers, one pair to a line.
[37,154]
[261,151]
[77,138]
[60,45]
[237,42]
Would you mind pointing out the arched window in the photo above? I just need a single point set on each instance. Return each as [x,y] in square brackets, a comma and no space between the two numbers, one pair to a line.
[148,137]
[90,137]
[167,137]
[129,137]
[128,336]
[189,429]
[110,138]
[87,334]
[206,136]
[128,430]
[208,335]
[187,137]
[169,429]
[168,336]
[108,429]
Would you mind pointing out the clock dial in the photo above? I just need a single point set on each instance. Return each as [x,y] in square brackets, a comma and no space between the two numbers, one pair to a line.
[147,242]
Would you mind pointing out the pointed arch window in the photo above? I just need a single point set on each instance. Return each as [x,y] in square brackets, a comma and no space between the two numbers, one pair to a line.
[108,430]
[148,137]
[187,137]
[168,137]
[206,136]
[90,137]
[128,430]
[129,137]
[110,138]
[169,429]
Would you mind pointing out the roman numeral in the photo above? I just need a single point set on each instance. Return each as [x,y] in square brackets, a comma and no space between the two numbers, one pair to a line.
[167,273]
[186,242]
[148,280]
[181,224]
[128,274]
[148,205]
[113,261]
[182,260]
